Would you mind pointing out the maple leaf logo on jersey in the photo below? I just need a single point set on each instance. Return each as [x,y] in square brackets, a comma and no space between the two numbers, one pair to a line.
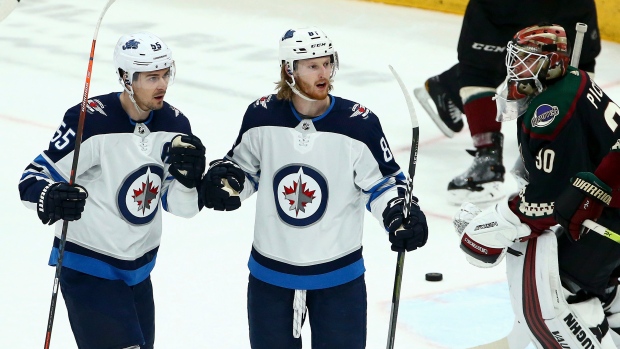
[145,194]
[301,194]
[139,194]
[95,105]
[298,196]
[359,109]
[262,101]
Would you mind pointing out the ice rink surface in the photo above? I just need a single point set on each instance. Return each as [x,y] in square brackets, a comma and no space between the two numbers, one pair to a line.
[226,56]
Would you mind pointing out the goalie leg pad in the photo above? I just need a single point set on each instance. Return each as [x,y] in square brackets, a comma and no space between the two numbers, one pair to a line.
[539,300]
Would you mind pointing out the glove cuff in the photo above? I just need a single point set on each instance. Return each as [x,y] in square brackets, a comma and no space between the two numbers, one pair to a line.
[592,186]
[45,219]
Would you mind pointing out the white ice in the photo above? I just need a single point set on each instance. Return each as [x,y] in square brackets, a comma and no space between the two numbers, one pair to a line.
[226,54]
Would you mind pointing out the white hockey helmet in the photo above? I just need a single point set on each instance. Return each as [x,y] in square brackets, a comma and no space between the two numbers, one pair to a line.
[304,43]
[141,52]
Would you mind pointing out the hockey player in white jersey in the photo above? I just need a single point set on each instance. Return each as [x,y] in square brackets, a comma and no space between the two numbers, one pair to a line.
[138,156]
[316,162]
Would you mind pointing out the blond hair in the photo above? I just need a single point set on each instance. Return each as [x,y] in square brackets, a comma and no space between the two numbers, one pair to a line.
[284,91]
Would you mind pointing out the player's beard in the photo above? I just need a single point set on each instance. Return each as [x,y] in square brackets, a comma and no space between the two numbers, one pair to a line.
[151,103]
[312,91]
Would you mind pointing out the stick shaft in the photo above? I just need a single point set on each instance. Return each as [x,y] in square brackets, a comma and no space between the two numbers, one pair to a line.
[581,29]
[413,159]
[74,164]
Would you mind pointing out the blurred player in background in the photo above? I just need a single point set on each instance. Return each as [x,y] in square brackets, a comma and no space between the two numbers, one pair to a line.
[469,86]
[316,161]
[137,157]
[563,280]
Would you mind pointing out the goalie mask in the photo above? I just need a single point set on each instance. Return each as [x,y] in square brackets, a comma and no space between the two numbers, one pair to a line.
[141,52]
[305,43]
[536,56]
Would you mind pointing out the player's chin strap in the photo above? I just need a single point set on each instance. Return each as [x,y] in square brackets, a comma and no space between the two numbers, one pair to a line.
[130,93]
[297,92]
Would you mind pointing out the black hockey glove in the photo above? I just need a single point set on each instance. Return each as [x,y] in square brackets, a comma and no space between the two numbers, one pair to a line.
[414,232]
[213,191]
[61,201]
[187,160]
[584,198]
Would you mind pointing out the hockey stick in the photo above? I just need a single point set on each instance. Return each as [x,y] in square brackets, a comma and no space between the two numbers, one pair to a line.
[413,159]
[76,154]
[610,234]
[581,29]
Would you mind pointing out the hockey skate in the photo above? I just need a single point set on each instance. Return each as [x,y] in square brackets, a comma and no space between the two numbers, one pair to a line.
[444,111]
[483,181]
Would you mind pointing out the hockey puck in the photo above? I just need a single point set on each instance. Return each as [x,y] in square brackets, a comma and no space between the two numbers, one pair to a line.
[434,277]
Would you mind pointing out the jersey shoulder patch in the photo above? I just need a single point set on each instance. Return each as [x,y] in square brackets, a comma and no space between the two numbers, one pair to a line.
[175,110]
[549,111]
[264,101]
[353,110]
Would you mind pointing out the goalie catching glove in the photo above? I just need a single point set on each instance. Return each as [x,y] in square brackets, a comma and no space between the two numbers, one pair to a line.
[221,185]
[187,160]
[489,233]
[61,201]
[408,235]
[584,199]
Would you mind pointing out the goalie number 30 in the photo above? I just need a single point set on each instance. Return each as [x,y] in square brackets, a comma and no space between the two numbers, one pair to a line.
[544,160]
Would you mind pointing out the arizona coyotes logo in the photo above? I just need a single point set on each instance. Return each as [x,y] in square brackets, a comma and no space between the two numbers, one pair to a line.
[301,195]
[95,105]
[139,195]
[359,109]
[262,101]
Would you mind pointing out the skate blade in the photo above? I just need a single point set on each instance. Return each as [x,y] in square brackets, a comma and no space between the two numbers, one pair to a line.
[491,192]
[425,100]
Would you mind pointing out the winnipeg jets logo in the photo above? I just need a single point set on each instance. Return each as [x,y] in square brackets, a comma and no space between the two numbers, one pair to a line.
[177,112]
[305,126]
[262,101]
[359,109]
[95,105]
[139,195]
[131,44]
[144,195]
[298,196]
[301,195]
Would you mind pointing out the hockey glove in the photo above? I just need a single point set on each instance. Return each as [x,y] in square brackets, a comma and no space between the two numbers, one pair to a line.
[187,160]
[61,201]
[464,216]
[409,235]
[584,199]
[487,237]
[221,185]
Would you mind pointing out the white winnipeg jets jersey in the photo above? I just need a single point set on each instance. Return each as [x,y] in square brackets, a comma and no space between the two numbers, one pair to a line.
[314,178]
[123,166]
